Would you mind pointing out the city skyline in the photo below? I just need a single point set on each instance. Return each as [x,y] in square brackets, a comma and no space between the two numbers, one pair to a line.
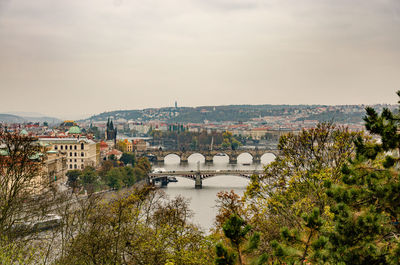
[77,58]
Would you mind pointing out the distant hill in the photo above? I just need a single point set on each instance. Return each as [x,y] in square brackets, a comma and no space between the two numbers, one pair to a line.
[50,120]
[11,118]
[237,113]
[25,114]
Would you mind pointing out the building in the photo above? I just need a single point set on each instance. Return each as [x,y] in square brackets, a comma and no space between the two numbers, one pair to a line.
[80,152]
[111,132]
[139,145]
[114,152]
[128,145]
[55,165]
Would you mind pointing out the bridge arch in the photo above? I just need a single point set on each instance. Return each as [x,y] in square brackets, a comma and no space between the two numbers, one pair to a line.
[267,158]
[172,158]
[196,156]
[221,157]
[245,157]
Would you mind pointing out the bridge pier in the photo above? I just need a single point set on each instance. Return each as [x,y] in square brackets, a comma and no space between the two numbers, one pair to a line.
[164,182]
[233,160]
[256,159]
[160,159]
[209,159]
[184,160]
[198,182]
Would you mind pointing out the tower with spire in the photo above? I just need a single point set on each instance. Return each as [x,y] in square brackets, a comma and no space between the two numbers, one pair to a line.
[111,132]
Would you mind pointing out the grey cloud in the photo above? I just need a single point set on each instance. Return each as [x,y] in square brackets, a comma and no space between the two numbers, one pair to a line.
[136,54]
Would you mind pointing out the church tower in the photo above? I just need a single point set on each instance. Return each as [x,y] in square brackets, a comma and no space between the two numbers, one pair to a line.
[111,132]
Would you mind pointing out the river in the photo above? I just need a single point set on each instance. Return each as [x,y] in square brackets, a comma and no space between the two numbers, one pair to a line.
[202,201]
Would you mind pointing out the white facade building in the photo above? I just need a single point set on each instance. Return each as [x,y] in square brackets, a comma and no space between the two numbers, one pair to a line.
[80,152]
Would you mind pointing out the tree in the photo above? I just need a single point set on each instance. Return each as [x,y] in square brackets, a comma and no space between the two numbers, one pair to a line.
[144,164]
[128,158]
[360,221]
[224,257]
[129,176]
[229,142]
[112,157]
[367,201]
[236,231]
[26,195]
[194,145]
[73,178]
[225,144]
[89,179]
[105,167]
[294,184]
[296,246]
[114,178]
[20,169]
[139,227]
[227,203]
[121,146]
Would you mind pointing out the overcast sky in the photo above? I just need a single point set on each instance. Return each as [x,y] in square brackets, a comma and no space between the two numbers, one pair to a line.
[69,58]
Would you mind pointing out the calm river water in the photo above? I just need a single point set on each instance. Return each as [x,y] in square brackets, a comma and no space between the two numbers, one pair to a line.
[202,201]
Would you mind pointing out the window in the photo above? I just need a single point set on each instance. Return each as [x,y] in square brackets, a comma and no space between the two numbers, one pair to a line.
[70,154]
[61,147]
[70,166]
[82,166]
[55,147]
[75,166]
[66,147]
[82,146]
[70,147]
[75,147]
[75,154]
[82,154]
[75,161]
[70,160]
[82,160]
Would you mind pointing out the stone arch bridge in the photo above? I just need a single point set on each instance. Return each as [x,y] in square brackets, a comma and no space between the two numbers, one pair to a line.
[159,155]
